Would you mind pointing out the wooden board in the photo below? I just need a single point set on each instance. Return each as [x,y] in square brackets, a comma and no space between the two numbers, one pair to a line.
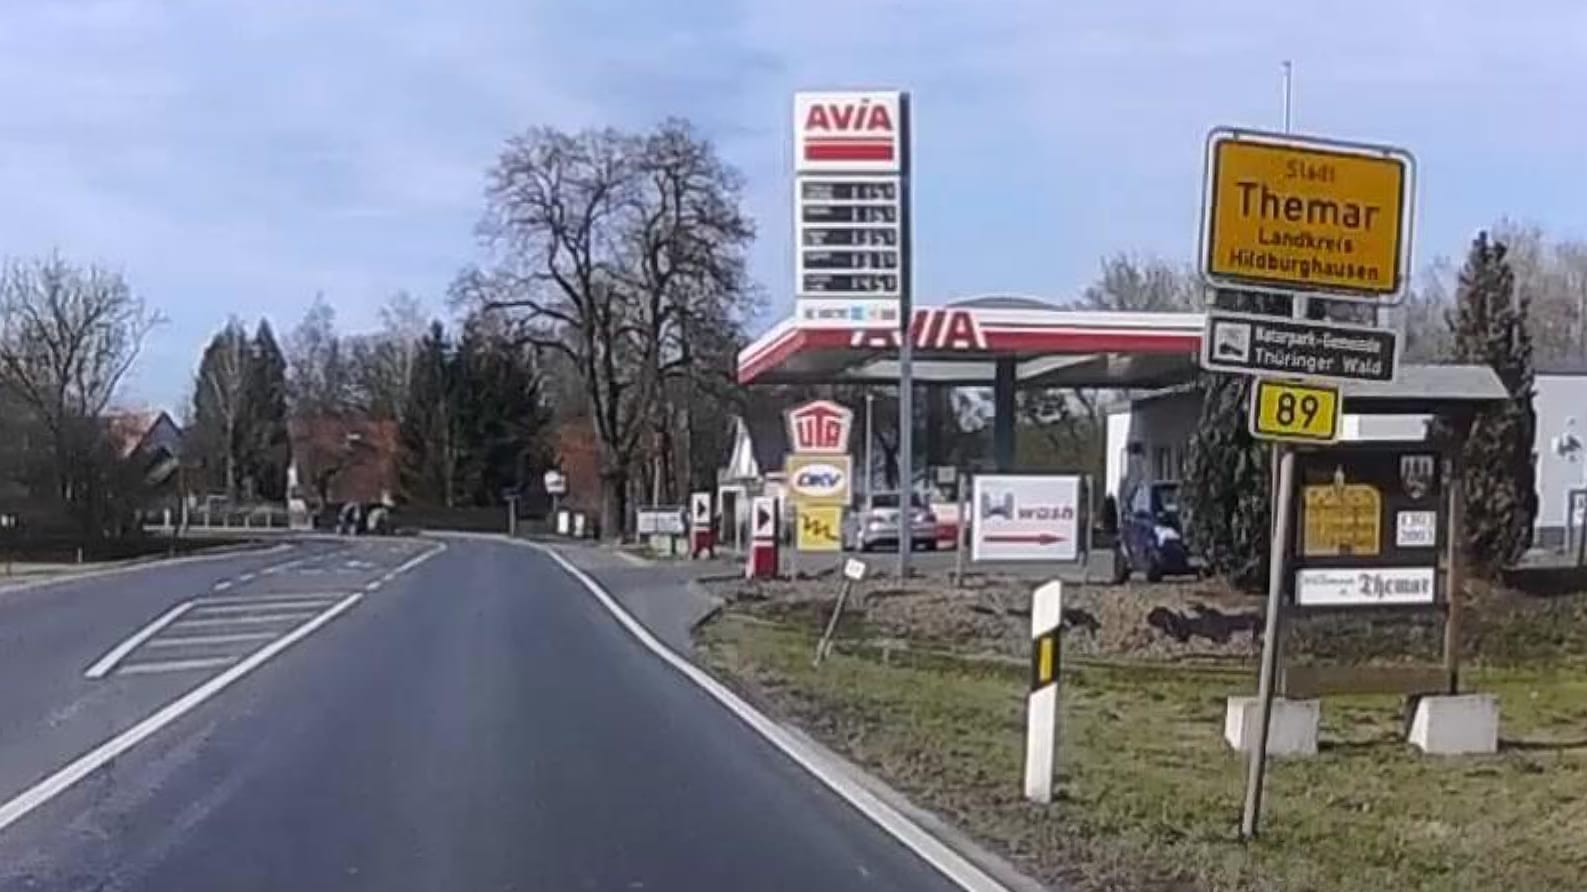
[1305,682]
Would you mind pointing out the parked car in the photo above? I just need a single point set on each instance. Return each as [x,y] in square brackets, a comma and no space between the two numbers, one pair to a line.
[877,526]
[1150,538]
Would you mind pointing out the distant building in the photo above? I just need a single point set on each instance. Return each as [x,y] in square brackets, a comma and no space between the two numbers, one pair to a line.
[153,439]
[339,459]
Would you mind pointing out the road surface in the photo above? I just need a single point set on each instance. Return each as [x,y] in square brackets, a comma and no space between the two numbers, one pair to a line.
[387,715]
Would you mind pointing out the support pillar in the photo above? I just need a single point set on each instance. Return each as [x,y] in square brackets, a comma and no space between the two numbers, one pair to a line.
[1003,415]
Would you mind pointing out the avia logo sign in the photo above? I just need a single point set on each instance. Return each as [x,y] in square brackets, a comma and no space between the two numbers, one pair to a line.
[847,131]
[931,328]
[820,426]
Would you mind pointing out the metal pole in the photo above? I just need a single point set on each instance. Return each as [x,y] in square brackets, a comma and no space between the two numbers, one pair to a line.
[870,482]
[1289,76]
[1455,580]
[906,351]
[962,534]
[1278,550]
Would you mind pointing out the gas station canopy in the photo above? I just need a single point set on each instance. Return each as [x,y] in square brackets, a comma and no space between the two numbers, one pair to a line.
[975,342]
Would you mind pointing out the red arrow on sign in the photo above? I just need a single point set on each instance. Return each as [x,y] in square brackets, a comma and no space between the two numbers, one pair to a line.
[1031,538]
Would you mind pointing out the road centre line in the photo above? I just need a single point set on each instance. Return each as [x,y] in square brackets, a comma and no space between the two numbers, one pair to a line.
[153,668]
[223,585]
[247,577]
[203,640]
[104,664]
[243,620]
[371,586]
[50,787]
[956,867]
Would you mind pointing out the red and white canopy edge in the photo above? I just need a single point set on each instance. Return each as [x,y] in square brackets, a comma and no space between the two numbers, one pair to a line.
[961,343]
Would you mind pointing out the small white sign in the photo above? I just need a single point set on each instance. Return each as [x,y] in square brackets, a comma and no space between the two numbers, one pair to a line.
[556,483]
[763,518]
[1416,529]
[1025,517]
[854,569]
[659,521]
[1364,586]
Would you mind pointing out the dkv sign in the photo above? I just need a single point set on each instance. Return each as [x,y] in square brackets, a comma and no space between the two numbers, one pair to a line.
[850,132]
[819,479]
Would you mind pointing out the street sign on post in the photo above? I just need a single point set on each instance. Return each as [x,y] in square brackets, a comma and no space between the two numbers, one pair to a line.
[1251,344]
[1292,412]
[1026,517]
[1285,213]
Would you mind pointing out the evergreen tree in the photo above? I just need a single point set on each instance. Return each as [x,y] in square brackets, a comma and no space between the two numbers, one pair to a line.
[429,441]
[1490,328]
[1227,476]
[503,421]
[267,449]
[217,423]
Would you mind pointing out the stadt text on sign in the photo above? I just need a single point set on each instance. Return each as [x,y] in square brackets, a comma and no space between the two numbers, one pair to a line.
[1250,344]
[820,528]
[1308,215]
[1306,413]
[1341,519]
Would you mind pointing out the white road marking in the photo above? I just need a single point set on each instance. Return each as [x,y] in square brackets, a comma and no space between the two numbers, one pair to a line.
[139,564]
[294,596]
[371,586]
[944,859]
[50,787]
[154,668]
[242,620]
[108,662]
[247,577]
[223,585]
[415,561]
[630,558]
[201,640]
[202,608]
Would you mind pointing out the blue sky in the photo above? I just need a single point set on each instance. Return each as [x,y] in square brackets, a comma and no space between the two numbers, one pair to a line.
[238,156]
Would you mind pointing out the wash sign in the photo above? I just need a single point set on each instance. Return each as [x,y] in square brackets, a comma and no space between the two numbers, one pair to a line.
[1307,215]
[1025,517]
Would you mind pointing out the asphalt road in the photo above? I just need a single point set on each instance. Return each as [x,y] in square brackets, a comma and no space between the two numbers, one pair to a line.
[473,719]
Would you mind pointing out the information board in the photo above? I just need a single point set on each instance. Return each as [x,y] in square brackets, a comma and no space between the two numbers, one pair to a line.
[1025,517]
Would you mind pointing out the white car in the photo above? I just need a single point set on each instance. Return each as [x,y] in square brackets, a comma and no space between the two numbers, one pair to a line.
[877,526]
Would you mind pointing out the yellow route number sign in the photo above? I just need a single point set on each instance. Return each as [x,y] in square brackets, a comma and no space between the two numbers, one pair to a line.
[1298,413]
[1306,214]
[820,528]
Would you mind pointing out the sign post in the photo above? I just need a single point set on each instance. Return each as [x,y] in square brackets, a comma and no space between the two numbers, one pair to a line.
[1041,724]
[1256,764]
[852,231]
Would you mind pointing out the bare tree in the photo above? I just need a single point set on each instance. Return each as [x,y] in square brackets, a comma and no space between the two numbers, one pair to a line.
[380,365]
[618,252]
[318,381]
[68,335]
[1142,285]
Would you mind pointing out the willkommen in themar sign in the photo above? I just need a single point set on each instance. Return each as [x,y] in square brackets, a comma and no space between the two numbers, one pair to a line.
[1025,517]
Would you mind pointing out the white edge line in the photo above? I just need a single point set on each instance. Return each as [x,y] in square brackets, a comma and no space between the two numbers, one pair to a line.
[104,664]
[50,787]
[944,859]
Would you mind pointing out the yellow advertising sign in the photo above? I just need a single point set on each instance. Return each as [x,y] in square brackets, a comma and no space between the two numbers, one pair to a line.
[820,528]
[1341,519]
[1306,215]
[1305,413]
[816,479]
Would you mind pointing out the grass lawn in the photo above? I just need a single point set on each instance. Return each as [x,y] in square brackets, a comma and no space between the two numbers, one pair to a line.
[1149,794]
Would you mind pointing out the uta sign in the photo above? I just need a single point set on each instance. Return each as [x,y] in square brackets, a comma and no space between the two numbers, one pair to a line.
[1292,214]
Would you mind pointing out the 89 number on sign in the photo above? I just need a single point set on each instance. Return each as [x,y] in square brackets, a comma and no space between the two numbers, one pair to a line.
[1289,404]
[1306,413]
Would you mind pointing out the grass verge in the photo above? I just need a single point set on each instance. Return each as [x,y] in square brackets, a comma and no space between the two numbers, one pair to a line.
[1149,795]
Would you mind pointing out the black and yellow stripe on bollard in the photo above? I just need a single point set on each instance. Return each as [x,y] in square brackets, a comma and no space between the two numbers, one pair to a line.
[1044,660]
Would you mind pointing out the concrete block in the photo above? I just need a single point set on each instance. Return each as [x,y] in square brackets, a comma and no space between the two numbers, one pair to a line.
[1459,725]
[1292,731]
